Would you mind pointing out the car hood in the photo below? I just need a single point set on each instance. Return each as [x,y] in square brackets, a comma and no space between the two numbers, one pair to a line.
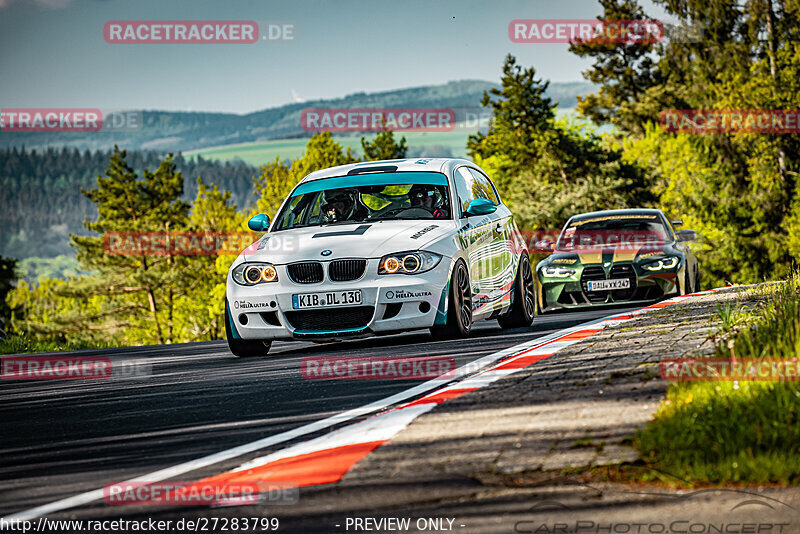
[357,240]
[598,256]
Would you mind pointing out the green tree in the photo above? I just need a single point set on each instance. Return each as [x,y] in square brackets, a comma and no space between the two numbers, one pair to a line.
[277,178]
[522,131]
[133,284]
[625,72]
[737,189]
[8,277]
[200,310]
[548,169]
[384,146]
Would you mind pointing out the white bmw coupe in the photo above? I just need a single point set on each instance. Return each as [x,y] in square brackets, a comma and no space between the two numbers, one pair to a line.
[378,247]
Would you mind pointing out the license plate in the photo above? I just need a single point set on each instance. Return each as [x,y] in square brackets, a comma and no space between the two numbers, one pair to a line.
[608,285]
[326,300]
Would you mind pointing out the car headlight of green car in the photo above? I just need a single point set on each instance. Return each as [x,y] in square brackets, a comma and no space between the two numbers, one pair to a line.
[659,265]
[557,272]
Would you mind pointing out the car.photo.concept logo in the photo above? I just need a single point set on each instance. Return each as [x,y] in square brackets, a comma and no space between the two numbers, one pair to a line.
[748,513]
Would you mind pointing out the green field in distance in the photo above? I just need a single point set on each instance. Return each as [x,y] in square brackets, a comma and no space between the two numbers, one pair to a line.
[420,144]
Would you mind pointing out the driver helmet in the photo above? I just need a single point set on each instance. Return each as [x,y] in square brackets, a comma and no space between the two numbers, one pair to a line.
[420,194]
[340,204]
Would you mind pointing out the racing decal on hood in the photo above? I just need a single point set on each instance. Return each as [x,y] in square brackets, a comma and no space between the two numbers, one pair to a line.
[424,231]
[591,257]
[358,231]
[651,254]
[565,261]
[625,254]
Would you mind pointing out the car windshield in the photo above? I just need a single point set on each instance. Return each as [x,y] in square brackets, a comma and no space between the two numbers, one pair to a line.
[614,231]
[375,197]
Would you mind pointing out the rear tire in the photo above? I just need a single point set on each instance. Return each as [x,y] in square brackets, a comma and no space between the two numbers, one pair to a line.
[459,306]
[242,348]
[523,306]
[687,288]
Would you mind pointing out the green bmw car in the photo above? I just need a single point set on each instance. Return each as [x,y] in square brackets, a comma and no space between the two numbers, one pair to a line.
[616,257]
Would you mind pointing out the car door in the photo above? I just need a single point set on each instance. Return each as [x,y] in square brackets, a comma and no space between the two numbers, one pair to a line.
[477,235]
[498,281]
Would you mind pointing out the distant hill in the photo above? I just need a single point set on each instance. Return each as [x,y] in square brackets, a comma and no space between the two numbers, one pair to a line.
[40,193]
[179,131]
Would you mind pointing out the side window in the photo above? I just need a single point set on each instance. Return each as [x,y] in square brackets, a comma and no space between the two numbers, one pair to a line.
[464,187]
[482,187]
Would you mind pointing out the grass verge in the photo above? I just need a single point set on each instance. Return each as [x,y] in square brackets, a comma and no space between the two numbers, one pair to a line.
[735,432]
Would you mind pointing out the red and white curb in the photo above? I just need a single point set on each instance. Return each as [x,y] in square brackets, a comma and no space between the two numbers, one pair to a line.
[326,459]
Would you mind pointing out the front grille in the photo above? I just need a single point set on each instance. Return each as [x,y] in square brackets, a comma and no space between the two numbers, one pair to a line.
[309,272]
[326,320]
[623,271]
[593,273]
[648,293]
[573,298]
[346,270]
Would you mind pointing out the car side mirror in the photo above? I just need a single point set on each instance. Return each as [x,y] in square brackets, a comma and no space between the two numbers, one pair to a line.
[686,235]
[480,206]
[258,223]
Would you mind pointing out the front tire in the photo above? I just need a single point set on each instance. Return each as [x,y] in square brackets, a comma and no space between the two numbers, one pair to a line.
[523,306]
[459,306]
[242,348]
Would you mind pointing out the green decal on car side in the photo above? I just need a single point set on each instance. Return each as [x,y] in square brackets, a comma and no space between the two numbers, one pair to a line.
[229,318]
[441,311]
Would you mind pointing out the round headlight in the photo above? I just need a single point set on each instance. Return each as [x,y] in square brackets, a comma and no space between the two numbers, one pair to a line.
[252,274]
[410,263]
[391,265]
[269,273]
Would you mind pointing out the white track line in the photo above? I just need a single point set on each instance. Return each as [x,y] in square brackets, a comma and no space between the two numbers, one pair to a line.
[462,372]
[180,469]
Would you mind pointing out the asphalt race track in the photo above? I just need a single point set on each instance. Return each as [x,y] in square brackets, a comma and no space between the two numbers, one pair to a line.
[61,438]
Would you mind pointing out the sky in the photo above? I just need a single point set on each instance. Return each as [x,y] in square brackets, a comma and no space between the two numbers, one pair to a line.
[53,54]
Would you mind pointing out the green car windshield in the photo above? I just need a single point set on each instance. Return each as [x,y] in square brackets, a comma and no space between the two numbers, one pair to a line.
[373,197]
[612,231]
